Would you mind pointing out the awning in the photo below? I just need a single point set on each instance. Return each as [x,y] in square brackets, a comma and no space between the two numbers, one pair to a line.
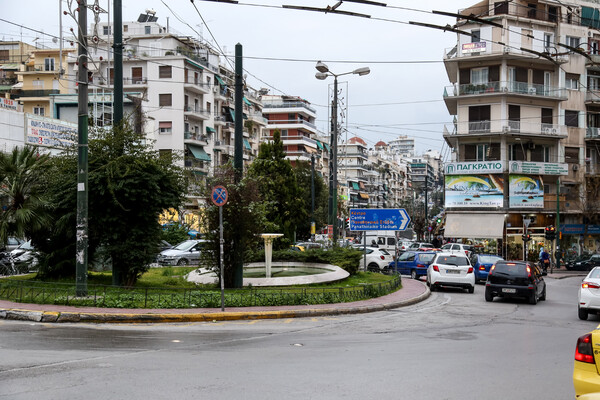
[362,185]
[210,130]
[326,147]
[474,226]
[320,145]
[194,64]
[364,196]
[247,144]
[218,78]
[355,186]
[199,152]
[310,149]
[232,113]
[247,101]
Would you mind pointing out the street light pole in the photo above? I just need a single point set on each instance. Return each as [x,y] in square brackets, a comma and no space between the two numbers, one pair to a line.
[323,73]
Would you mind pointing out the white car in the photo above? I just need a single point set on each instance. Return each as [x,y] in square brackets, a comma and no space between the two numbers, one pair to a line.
[451,269]
[589,294]
[378,260]
[466,249]
[403,246]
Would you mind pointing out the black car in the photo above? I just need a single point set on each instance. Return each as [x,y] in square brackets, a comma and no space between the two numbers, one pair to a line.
[584,263]
[515,279]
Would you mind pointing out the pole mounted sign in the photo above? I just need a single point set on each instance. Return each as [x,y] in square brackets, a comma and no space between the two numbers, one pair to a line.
[219,196]
[378,219]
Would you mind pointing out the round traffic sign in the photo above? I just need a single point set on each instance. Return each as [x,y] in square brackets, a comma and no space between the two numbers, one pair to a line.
[219,196]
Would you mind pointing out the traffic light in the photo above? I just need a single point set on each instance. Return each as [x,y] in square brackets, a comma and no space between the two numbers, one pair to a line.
[438,220]
[347,224]
[526,237]
[550,232]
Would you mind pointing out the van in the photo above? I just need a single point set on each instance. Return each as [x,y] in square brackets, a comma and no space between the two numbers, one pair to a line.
[381,239]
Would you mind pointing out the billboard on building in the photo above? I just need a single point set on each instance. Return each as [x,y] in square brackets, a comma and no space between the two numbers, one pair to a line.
[49,132]
[474,191]
[525,191]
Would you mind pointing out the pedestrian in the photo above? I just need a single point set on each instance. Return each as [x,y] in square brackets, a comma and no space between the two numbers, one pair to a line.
[436,242]
[545,259]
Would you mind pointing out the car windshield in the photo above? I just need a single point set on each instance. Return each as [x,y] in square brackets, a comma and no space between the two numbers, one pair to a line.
[452,260]
[594,274]
[385,253]
[426,245]
[487,259]
[26,246]
[188,244]
[426,258]
[511,269]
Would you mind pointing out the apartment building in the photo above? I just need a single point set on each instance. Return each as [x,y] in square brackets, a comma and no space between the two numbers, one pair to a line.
[524,86]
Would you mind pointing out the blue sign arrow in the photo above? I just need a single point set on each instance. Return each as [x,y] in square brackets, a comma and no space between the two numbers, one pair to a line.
[378,219]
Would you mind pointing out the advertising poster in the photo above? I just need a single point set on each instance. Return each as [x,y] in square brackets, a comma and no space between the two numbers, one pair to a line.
[525,191]
[474,191]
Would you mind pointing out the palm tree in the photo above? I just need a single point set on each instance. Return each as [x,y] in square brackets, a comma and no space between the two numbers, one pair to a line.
[21,192]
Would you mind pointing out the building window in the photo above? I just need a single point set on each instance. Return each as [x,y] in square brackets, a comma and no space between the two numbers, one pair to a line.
[106,30]
[479,76]
[38,84]
[573,41]
[39,111]
[475,36]
[4,55]
[208,106]
[165,71]
[548,42]
[572,118]
[572,81]
[165,100]
[531,10]
[539,153]
[501,8]
[594,47]
[125,28]
[147,30]
[552,14]
[572,155]
[516,152]
[49,64]
[482,152]
[479,119]
[165,127]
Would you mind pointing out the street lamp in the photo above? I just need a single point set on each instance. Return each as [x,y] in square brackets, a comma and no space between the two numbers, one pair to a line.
[323,73]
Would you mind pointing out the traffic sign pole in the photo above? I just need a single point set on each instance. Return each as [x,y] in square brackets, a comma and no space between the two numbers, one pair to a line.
[219,197]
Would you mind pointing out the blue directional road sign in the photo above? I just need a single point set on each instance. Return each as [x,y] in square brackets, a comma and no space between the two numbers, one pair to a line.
[378,219]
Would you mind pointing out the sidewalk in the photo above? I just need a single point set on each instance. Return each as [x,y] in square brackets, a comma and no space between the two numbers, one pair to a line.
[412,292]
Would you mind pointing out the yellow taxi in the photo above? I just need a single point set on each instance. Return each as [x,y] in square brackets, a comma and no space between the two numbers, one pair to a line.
[586,378]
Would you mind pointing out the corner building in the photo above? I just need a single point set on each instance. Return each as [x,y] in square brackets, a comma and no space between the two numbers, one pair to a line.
[524,93]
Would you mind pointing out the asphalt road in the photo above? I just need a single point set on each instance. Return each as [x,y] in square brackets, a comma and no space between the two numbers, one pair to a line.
[454,345]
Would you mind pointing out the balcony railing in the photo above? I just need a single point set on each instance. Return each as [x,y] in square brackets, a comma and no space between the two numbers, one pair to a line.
[520,88]
[191,162]
[195,136]
[592,133]
[534,128]
[197,111]
[135,81]
[38,92]
[288,104]
[292,121]
[196,83]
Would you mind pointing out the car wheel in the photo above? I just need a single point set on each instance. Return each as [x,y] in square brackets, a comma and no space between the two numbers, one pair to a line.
[583,314]
[533,299]
[488,296]
[433,288]
[543,296]
[373,267]
[413,274]
[471,289]
[182,262]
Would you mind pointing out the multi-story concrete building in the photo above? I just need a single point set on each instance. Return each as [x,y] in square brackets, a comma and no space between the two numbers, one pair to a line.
[354,172]
[402,146]
[524,93]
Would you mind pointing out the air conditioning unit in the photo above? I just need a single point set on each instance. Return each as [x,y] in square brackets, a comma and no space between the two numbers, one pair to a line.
[505,129]
[532,90]
[139,82]
[575,167]
[548,131]
[185,118]
[505,89]
[215,89]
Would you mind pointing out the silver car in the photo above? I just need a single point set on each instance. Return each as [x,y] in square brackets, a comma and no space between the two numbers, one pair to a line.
[185,253]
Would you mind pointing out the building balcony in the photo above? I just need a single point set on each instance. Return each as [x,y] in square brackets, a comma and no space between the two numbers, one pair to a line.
[219,119]
[224,147]
[490,89]
[196,165]
[195,138]
[220,93]
[139,81]
[37,93]
[196,113]
[512,128]
[299,155]
[293,124]
[295,140]
[592,97]
[258,118]
[196,86]
[289,107]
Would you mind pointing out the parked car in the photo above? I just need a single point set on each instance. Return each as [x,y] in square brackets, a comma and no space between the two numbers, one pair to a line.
[12,243]
[515,279]
[185,253]
[467,249]
[403,246]
[482,263]
[420,245]
[378,260]
[413,263]
[586,378]
[451,269]
[584,263]
[589,294]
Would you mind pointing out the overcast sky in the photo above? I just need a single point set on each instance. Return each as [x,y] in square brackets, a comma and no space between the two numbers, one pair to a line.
[401,96]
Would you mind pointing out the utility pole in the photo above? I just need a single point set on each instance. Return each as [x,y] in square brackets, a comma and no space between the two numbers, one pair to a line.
[312,197]
[238,162]
[557,250]
[81,259]
[118,68]
[426,217]
[334,149]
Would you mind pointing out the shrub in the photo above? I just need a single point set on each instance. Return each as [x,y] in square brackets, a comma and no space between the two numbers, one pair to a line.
[345,258]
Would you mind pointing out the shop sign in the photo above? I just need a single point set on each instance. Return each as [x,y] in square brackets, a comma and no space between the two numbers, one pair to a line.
[10,104]
[476,47]
[525,191]
[50,132]
[572,229]
[474,191]
[593,229]
[484,167]
[538,168]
